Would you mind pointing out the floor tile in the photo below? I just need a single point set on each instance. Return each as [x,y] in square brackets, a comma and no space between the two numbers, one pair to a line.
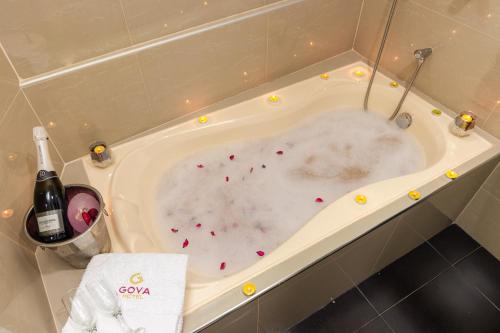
[482,270]
[446,304]
[453,243]
[375,326]
[348,313]
[403,276]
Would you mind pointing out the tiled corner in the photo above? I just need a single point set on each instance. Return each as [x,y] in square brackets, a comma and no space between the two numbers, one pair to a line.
[457,74]
[307,32]
[492,184]
[287,304]
[104,102]
[18,161]
[242,320]
[23,305]
[48,34]
[191,73]
[425,219]
[9,85]
[148,19]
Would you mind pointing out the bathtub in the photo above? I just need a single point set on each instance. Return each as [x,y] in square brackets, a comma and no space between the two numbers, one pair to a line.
[129,185]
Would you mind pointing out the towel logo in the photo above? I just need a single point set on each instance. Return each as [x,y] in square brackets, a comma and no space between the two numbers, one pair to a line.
[134,291]
[136,278]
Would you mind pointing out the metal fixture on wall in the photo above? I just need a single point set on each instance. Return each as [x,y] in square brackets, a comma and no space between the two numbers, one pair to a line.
[420,55]
[379,54]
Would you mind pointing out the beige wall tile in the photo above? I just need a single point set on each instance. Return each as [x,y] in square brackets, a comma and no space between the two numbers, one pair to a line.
[9,84]
[148,19]
[243,320]
[425,219]
[492,184]
[307,32]
[481,220]
[18,164]
[104,102]
[464,71]
[297,298]
[192,73]
[23,305]
[43,35]
[358,258]
[492,124]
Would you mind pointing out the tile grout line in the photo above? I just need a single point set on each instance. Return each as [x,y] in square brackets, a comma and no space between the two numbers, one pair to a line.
[357,25]
[470,284]
[41,124]
[9,106]
[2,50]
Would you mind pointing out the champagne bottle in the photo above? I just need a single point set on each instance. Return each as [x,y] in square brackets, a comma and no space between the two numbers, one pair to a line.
[49,196]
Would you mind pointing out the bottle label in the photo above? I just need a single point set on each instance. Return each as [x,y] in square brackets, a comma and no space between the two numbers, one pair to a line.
[44,175]
[50,222]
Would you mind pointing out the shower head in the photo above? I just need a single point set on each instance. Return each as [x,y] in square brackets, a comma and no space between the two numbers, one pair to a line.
[422,54]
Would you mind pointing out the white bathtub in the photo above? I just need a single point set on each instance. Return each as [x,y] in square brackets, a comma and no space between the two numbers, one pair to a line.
[129,185]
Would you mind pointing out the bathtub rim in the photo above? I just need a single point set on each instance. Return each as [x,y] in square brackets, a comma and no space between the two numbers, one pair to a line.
[232,299]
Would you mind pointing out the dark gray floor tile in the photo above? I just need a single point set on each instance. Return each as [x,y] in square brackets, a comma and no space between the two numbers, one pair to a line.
[348,313]
[453,243]
[375,326]
[482,270]
[403,277]
[446,304]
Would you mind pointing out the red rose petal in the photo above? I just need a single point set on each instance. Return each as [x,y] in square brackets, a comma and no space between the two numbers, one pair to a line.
[212,233]
[198,225]
[227,178]
[319,199]
[260,253]
[231,157]
[200,166]
[86,217]
[185,243]
[279,152]
[222,266]
[93,213]
[174,230]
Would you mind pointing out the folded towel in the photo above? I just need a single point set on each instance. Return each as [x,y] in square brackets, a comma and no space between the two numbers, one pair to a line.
[150,287]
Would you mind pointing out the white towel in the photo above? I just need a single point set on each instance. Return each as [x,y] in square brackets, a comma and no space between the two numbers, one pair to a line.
[150,287]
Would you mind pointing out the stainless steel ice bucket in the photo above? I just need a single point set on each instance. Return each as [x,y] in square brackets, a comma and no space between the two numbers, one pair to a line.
[81,248]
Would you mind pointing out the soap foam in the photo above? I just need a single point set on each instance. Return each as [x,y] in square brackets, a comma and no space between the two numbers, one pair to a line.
[269,195]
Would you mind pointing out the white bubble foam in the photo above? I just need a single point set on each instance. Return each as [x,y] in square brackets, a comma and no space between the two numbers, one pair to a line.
[270,196]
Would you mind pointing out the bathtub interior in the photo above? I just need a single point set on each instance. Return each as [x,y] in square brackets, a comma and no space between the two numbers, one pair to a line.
[143,168]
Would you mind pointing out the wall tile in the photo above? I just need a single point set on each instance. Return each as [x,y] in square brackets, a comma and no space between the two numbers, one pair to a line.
[492,184]
[297,298]
[8,84]
[242,320]
[148,19]
[18,162]
[43,35]
[310,31]
[23,305]
[191,73]
[492,124]
[104,102]
[464,71]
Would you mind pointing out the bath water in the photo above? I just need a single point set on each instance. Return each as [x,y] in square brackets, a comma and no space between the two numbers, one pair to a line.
[230,206]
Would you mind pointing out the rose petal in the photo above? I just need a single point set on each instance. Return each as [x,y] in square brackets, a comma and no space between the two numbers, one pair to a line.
[212,233]
[319,199]
[185,243]
[279,152]
[198,225]
[231,157]
[174,230]
[93,213]
[263,166]
[260,253]
[86,217]
[251,169]
[200,166]
[227,178]
[222,266]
